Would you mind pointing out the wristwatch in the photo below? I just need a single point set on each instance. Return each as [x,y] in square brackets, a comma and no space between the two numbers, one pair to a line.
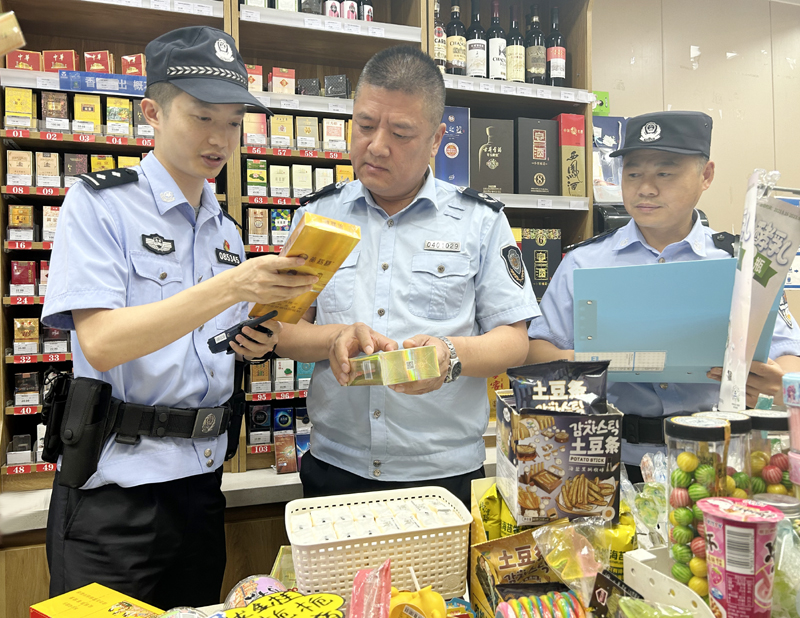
[455,364]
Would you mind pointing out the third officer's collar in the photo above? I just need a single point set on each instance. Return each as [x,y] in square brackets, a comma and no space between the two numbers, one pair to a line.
[426,193]
[630,234]
[166,192]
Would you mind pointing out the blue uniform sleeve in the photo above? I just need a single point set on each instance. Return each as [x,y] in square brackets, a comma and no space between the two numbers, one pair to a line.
[556,322]
[499,298]
[785,337]
[88,268]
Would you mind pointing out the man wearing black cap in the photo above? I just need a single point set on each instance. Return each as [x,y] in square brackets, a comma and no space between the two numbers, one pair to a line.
[146,267]
[666,169]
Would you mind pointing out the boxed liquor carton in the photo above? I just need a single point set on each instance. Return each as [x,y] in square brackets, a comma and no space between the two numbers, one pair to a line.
[333,137]
[280,223]
[537,157]
[255,77]
[256,173]
[26,335]
[74,164]
[257,226]
[260,380]
[397,367]
[541,254]
[88,114]
[259,424]
[309,87]
[119,114]
[492,155]
[307,132]
[23,278]
[50,222]
[19,168]
[100,162]
[282,80]
[19,451]
[24,60]
[255,129]
[452,159]
[48,172]
[135,64]
[281,131]
[327,243]
[56,60]
[27,389]
[337,86]
[20,108]
[55,111]
[44,277]
[302,183]
[55,341]
[279,181]
[323,176]
[285,454]
[344,173]
[142,128]
[20,218]
[94,601]
[554,458]
[572,145]
[128,161]
[99,62]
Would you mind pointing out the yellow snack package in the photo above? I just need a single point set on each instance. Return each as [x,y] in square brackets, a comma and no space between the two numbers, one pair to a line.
[489,506]
[622,538]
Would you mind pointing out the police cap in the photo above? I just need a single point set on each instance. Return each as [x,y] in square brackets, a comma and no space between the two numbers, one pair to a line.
[686,133]
[201,61]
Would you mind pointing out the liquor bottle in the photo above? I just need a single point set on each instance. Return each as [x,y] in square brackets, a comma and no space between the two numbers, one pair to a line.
[515,49]
[311,6]
[439,39]
[476,44]
[366,11]
[535,55]
[333,8]
[350,9]
[556,53]
[456,41]
[496,39]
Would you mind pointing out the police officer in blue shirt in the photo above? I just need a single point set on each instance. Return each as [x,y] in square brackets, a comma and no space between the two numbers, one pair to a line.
[666,169]
[146,267]
[436,265]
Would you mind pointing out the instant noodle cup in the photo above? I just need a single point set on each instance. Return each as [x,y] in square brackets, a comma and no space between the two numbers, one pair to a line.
[740,537]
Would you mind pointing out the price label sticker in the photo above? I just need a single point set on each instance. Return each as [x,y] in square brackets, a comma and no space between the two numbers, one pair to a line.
[544,93]
[487,87]
[464,84]
[313,23]
[18,469]
[107,83]
[306,143]
[134,3]
[56,124]
[145,141]
[82,126]
[203,9]
[567,95]
[250,15]
[337,108]
[376,31]
[258,449]
[184,7]
[47,83]
[290,104]
[333,26]
[145,131]
[24,359]
[161,5]
[47,467]
[524,92]
[352,28]
[545,203]
[265,101]
[257,200]
[505,89]
[448,83]
[262,396]
[578,205]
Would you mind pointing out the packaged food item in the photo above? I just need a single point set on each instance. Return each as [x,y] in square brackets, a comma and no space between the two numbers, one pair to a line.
[697,454]
[373,594]
[637,608]
[286,456]
[279,181]
[23,278]
[56,340]
[19,168]
[333,137]
[258,226]
[74,164]
[123,161]
[737,481]
[26,329]
[326,243]
[48,172]
[250,589]
[44,275]
[621,538]
[740,537]
[397,367]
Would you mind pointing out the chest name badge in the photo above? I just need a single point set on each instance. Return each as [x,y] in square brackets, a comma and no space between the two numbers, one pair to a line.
[442,245]
[227,257]
[158,244]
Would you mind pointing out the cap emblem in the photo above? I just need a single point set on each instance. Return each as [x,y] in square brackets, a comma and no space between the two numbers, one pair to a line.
[650,132]
[223,51]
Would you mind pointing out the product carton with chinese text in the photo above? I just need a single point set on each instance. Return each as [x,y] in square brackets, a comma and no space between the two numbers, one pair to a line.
[93,601]
[572,144]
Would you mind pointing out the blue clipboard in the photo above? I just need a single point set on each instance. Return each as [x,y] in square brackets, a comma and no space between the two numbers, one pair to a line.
[659,322]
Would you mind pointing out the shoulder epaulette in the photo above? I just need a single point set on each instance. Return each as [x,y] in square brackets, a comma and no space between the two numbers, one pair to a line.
[591,240]
[110,178]
[326,190]
[227,215]
[725,241]
[487,199]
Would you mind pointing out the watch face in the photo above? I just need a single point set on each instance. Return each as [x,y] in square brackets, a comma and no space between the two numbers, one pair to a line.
[456,370]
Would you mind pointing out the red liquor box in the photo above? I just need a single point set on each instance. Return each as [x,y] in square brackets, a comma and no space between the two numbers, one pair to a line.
[255,77]
[23,273]
[25,60]
[56,60]
[99,61]
[572,144]
[134,65]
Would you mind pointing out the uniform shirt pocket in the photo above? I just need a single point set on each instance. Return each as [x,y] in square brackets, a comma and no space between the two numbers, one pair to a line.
[438,284]
[231,315]
[338,294]
[154,278]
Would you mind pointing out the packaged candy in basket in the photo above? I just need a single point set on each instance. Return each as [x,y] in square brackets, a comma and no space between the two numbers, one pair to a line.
[737,481]
[553,604]
[250,589]
[637,608]
[697,454]
[372,590]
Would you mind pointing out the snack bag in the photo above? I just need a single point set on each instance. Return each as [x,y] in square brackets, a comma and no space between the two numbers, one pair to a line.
[372,591]
[561,386]
[489,506]
[635,608]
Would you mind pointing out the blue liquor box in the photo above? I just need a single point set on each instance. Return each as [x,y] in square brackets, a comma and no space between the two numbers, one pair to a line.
[452,160]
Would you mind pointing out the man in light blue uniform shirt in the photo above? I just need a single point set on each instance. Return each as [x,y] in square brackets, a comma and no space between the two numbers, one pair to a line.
[435,266]
[146,267]
[666,169]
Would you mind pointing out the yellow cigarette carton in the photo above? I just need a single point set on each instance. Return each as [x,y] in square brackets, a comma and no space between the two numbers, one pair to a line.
[325,243]
[396,367]
[93,601]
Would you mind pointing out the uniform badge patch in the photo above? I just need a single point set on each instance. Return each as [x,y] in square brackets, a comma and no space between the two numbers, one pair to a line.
[650,132]
[227,257]
[783,310]
[513,259]
[158,244]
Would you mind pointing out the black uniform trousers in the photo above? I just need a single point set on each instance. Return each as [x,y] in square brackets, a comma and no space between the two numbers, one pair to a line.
[162,543]
[322,479]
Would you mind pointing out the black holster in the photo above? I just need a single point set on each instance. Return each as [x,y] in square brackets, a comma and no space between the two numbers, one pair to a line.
[238,404]
[54,404]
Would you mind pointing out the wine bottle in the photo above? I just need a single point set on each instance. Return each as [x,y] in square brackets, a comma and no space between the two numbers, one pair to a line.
[556,53]
[476,44]
[496,39]
[515,49]
[366,12]
[439,39]
[349,9]
[456,42]
[535,55]
[333,8]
